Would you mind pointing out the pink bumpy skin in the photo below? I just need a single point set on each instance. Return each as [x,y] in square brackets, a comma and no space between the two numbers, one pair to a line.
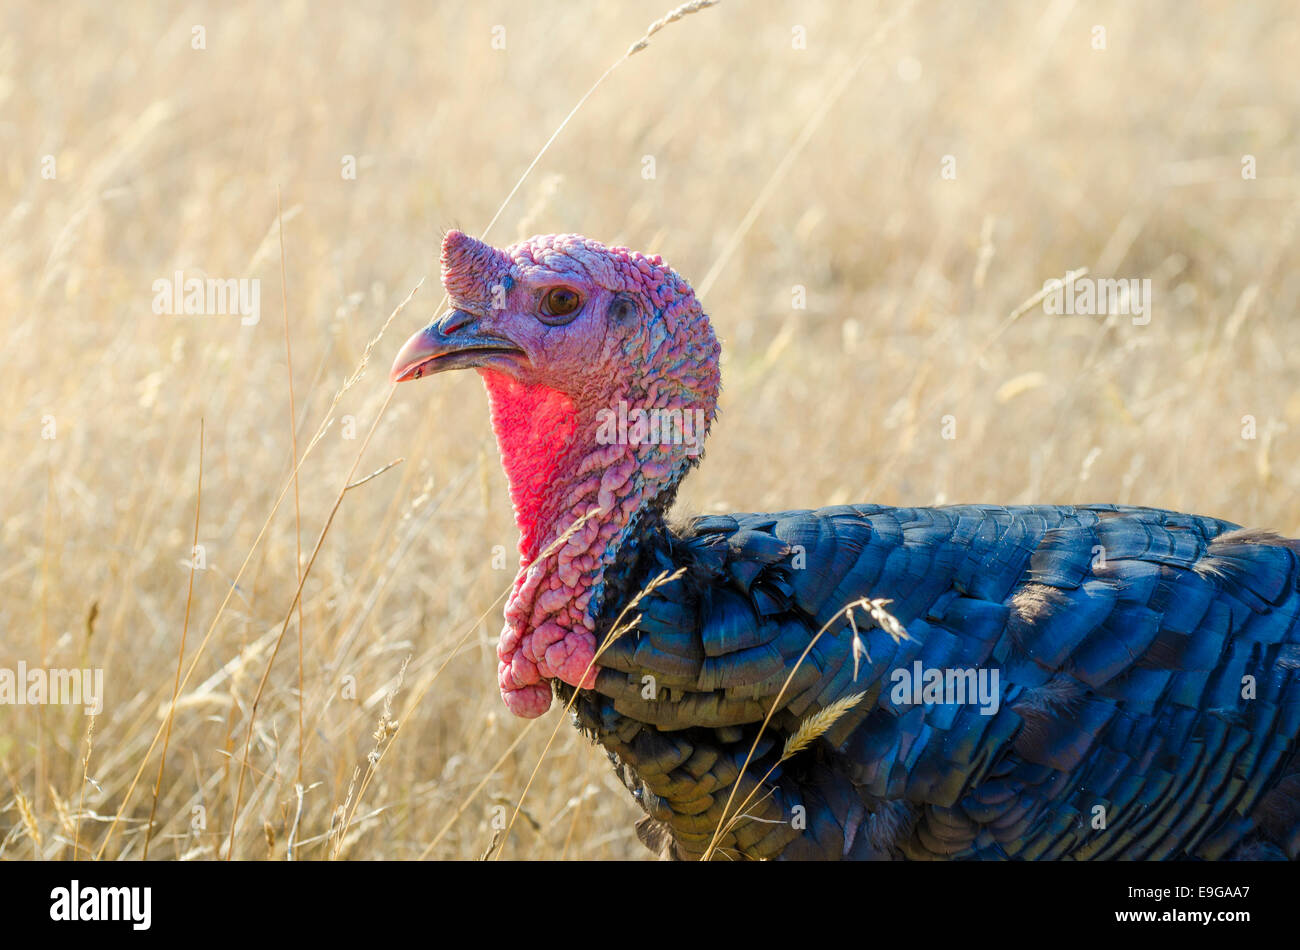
[638,340]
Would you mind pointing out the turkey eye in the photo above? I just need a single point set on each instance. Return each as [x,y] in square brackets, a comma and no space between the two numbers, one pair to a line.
[559,303]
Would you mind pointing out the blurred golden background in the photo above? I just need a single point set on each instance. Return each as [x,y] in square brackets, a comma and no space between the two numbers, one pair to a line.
[138,140]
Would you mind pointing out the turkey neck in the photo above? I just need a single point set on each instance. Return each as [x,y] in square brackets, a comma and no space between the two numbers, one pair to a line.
[561,470]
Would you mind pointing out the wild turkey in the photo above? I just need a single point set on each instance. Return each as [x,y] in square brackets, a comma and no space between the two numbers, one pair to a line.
[1147,700]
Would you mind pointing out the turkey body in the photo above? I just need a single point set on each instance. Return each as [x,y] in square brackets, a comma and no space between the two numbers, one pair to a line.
[1147,690]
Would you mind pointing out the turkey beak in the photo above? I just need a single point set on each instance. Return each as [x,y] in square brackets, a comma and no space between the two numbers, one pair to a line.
[453,342]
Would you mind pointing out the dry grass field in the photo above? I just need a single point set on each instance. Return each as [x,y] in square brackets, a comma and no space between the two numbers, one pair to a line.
[915,176]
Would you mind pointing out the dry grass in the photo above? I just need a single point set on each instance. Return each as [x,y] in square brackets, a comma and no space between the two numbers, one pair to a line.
[1126,162]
